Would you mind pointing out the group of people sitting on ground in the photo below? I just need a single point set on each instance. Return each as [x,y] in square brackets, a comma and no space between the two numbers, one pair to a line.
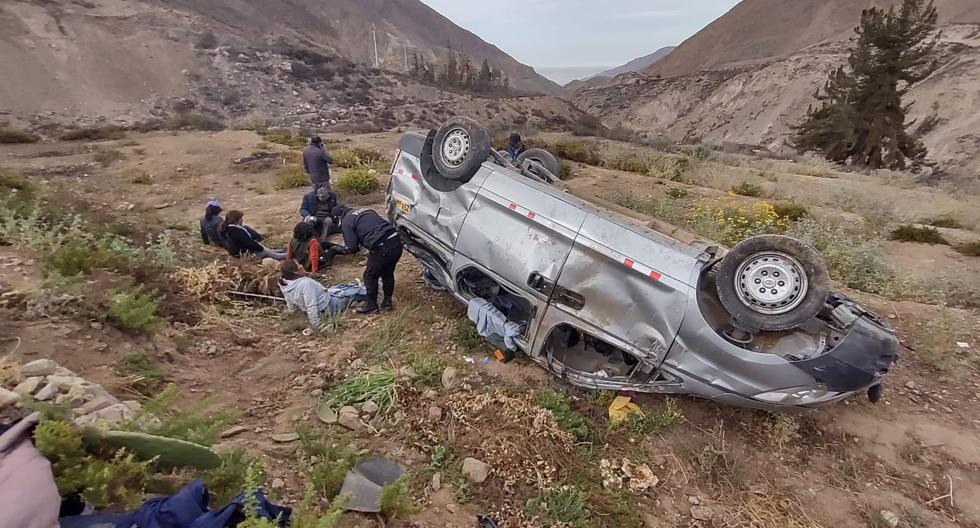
[310,251]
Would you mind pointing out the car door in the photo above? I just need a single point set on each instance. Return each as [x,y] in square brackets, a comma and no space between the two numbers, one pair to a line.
[520,232]
[625,284]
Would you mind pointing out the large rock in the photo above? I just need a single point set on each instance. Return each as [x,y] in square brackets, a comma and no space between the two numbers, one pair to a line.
[8,397]
[47,392]
[475,470]
[28,386]
[350,418]
[96,404]
[38,367]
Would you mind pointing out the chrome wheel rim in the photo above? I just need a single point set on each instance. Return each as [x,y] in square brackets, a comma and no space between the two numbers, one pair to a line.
[771,283]
[455,147]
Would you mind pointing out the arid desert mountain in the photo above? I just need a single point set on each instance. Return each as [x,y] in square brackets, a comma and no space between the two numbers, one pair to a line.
[635,65]
[750,75]
[112,57]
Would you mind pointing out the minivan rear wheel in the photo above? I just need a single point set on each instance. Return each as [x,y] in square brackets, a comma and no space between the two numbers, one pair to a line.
[460,147]
[544,158]
[772,282]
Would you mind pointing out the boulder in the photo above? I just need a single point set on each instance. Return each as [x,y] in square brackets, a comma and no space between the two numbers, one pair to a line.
[28,386]
[38,367]
[475,470]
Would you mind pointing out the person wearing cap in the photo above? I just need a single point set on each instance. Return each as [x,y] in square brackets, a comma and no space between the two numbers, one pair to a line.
[365,228]
[316,163]
[515,146]
[316,209]
[212,225]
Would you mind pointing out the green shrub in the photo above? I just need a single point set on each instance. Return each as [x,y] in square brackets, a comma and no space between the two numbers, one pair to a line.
[377,386]
[654,422]
[396,500]
[575,150]
[565,506]
[133,309]
[228,480]
[566,169]
[943,221]
[384,339]
[331,461]
[146,372]
[856,262]
[971,249]
[355,157]
[628,162]
[285,138]
[428,367]
[94,134]
[12,135]
[919,234]
[791,211]
[467,337]
[748,189]
[673,168]
[677,192]
[107,156]
[108,480]
[194,121]
[79,255]
[139,177]
[162,415]
[291,177]
[699,152]
[569,419]
[357,181]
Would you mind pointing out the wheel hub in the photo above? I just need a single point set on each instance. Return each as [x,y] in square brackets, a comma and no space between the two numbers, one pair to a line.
[455,147]
[771,283]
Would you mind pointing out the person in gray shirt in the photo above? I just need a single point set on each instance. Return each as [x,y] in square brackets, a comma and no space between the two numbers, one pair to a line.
[316,163]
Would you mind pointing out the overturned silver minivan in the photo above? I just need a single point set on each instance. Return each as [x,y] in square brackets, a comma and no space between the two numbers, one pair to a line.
[608,303]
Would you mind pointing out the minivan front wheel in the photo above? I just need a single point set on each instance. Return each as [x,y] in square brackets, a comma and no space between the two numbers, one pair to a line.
[460,147]
[772,282]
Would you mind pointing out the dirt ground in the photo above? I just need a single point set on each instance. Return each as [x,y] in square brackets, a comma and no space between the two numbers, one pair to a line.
[915,454]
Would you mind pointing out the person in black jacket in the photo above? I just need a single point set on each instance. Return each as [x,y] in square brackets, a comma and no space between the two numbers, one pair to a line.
[316,209]
[243,240]
[365,228]
[212,225]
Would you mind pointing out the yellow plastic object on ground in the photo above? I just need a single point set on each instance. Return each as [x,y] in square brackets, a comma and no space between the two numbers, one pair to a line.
[621,408]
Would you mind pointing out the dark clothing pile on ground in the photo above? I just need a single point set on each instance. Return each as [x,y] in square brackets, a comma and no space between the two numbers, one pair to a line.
[316,163]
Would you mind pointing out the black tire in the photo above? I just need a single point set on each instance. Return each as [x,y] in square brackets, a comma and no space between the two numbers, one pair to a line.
[460,147]
[791,277]
[543,158]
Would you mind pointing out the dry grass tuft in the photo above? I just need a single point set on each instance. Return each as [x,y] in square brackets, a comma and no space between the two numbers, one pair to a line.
[769,511]
[211,282]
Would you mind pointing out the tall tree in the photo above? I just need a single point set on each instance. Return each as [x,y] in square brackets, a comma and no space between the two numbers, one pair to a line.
[862,118]
[484,77]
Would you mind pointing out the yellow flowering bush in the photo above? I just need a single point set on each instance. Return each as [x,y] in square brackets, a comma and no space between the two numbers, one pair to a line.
[730,225]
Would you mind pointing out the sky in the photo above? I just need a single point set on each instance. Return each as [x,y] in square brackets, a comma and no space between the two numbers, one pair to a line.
[575,37]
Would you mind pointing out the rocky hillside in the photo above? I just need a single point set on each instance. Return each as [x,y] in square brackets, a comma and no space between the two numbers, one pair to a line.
[635,65]
[755,99]
[134,60]
[760,30]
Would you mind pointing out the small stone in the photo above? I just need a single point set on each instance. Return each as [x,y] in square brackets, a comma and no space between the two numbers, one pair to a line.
[910,385]
[436,482]
[430,394]
[350,418]
[316,393]
[358,364]
[475,470]
[115,414]
[96,404]
[285,438]
[889,517]
[278,483]
[435,413]
[694,500]
[38,367]
[8,397]
[369,407]
[702,513]
[452,508]
[407,372]
[234,431]
[28,386]
[449,377]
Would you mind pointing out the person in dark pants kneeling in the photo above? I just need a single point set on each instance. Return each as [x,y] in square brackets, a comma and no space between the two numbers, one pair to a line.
[365,228]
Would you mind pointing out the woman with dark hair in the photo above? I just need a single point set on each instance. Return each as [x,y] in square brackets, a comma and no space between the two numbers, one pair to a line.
[304,247]
[243,240]
[303,293]
[211,225]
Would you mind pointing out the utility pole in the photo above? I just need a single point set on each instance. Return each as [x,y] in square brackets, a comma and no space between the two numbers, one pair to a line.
[406,56]
[374,33]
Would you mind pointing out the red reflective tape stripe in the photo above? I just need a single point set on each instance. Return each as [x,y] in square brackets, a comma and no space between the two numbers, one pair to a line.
[629,263]
[655,275]
[513,206]
[530,214]
[414,177]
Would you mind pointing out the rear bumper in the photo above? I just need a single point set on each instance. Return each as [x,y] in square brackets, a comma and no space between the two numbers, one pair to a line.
[858,362]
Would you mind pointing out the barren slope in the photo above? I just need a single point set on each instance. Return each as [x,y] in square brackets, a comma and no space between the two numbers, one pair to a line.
[635,65]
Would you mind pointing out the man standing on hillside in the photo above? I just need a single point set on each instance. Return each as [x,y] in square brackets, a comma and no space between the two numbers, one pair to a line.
[515,146]
[316,163]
